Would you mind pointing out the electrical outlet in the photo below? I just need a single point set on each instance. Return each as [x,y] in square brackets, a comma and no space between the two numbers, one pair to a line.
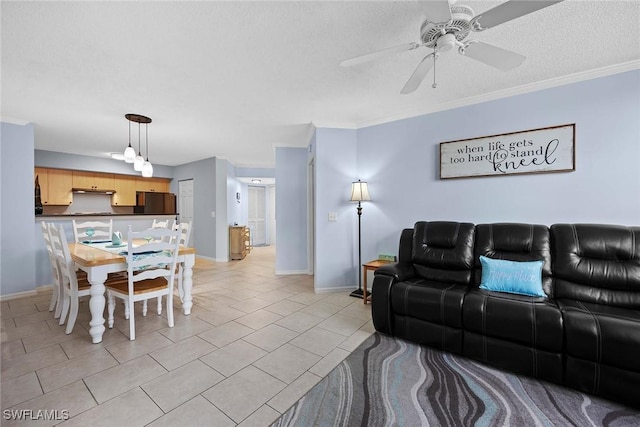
[213,214]
[333,216]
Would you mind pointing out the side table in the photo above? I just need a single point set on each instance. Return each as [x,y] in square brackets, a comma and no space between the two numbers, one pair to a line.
[371,265]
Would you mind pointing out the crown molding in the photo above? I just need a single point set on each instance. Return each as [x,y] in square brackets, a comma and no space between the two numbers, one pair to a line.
[519,90]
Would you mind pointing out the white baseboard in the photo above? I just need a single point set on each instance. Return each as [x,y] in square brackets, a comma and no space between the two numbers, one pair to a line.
[17,295]
[335,289]
[290,272]
[36,291]
[208,258]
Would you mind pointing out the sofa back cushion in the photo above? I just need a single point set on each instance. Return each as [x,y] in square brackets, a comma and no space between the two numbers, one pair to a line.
[406,245]
[597,263]
[515,242]
[443,251]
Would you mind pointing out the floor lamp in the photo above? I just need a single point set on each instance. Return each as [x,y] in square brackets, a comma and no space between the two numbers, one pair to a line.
[359,193]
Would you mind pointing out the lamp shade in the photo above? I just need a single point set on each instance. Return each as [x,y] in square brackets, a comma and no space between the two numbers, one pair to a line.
[359,191]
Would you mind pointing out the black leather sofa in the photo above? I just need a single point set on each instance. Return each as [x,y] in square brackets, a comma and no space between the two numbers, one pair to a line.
[584,334]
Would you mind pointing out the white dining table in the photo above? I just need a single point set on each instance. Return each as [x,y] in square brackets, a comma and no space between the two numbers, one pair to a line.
[98,263]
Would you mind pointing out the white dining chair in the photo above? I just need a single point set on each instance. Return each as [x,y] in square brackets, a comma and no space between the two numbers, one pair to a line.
[74,285]
[151,269]
[102,230]
[185,235]
[160,224]
[56,297]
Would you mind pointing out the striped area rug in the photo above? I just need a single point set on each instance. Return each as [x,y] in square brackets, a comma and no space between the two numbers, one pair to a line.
[391,382]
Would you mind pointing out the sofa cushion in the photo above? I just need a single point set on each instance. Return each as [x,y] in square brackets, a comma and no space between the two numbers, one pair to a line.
[532,321]
[443,251]
[516,277]
[515,242]
[601,333]
[597,263]
[435,302]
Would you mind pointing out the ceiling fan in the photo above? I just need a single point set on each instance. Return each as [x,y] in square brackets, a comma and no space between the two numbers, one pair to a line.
[447,26]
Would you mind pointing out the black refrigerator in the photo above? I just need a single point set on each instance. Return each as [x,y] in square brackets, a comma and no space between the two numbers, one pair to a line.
[149,202]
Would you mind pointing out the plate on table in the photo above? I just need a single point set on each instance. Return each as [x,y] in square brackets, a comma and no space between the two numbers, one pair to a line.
[121,245]
[95,241]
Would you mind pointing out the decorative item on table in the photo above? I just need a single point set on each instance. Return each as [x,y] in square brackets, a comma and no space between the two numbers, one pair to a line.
[38,199]
[116,238]
[90,232]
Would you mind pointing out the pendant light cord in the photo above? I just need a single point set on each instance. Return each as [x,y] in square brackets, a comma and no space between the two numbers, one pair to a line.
[146,131]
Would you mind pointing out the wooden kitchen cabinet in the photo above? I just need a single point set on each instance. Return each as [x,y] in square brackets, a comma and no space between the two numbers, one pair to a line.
[152,184]
[55,186]
[93,180]
[125,194]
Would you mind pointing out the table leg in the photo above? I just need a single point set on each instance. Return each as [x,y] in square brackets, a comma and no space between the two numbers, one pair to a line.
[364,285]
[96,305]
[187,283]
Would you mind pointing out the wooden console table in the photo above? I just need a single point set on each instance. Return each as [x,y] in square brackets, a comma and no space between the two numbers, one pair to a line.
[371,265]
[239,241]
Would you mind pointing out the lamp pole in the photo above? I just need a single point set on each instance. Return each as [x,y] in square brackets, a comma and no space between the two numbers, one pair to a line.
[358,293]
[359,193]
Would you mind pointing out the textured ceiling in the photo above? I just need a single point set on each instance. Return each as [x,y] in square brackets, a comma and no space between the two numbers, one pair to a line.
[236,79]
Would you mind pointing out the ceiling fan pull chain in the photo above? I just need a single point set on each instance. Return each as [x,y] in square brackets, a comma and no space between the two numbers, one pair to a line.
[434,85]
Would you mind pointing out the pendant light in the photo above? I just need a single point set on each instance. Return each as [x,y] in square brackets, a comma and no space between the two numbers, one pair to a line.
[139,160]
[129,152]
[147,167]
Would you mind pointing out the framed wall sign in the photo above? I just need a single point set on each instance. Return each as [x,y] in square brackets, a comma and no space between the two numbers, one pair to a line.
[541,150]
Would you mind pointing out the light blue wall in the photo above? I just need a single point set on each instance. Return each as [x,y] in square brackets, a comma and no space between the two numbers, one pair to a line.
[222,209]
[241,172]
[336,242]
[235,210]
[54,159]
[400,161]
[203,173]
[17,213]
[291,211]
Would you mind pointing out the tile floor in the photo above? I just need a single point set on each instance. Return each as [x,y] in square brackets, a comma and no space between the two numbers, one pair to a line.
[253,345]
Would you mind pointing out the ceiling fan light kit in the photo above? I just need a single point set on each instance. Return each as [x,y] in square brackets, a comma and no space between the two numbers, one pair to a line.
[447,26]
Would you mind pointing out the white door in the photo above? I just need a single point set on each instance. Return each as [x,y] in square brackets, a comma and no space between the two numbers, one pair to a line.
[257,213]
[271,216]
[185,202]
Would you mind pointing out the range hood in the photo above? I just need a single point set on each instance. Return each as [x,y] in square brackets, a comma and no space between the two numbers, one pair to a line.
[92,190]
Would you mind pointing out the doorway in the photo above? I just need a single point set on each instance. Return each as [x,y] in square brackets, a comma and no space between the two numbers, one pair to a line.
[185,201]
[257,215]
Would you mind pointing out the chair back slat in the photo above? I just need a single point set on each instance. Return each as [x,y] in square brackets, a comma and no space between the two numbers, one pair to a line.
[102,230]
[154,259]
[63,256]
[185,232]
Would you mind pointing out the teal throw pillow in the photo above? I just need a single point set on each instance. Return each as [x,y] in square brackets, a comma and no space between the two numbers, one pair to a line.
[516,277]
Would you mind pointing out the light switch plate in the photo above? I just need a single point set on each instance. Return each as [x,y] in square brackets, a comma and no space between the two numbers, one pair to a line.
[333,216]
[213,214]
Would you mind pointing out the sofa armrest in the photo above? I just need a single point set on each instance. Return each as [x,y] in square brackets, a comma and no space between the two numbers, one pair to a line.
[400,271]
[383,280]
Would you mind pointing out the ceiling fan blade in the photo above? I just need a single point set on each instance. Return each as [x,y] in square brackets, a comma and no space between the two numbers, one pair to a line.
[418,75]
[507,11]
[494,56]
[437,11]
[379,54]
